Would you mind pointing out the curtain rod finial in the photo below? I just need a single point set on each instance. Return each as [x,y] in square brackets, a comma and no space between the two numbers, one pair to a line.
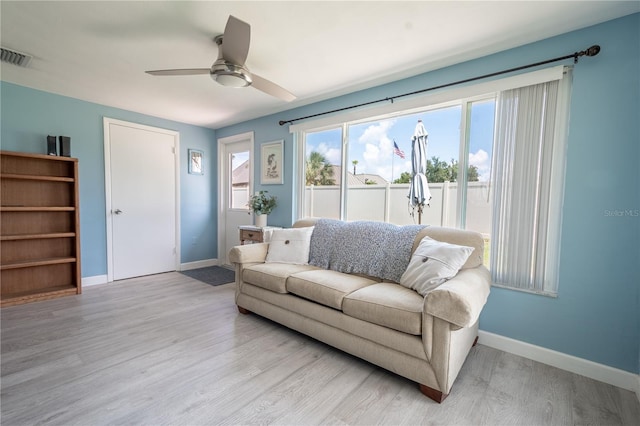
[593,50]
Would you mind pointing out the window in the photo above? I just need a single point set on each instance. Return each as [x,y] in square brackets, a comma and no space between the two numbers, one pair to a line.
[354,172]
[240,176]
[323,174]
[360,170]
[378,181]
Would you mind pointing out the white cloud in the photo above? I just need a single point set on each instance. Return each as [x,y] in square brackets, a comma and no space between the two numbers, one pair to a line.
[378,150]
[376,132]
[482,161]
[371,153]
[331,154]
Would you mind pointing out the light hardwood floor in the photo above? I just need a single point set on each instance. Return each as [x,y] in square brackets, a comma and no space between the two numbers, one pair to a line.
[170,350]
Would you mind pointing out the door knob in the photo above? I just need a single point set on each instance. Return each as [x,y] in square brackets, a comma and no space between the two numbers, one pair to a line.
[117,211]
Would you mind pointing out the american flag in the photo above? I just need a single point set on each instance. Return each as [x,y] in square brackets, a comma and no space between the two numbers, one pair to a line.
[397,150]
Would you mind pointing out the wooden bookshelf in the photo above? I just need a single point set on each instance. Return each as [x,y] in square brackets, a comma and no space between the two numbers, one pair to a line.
[39,228]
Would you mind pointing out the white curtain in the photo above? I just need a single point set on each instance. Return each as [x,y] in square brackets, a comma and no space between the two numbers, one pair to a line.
[528,181]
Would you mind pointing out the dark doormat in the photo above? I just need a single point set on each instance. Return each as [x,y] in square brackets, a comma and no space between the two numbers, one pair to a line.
[212,275]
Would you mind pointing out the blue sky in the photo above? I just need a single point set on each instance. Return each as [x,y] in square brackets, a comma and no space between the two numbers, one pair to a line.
[371,144]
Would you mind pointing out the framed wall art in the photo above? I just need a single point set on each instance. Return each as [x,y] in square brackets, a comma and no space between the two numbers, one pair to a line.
[272,166]
[195,162]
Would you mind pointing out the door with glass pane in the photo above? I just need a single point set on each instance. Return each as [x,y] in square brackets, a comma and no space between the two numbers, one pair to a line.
[236,167]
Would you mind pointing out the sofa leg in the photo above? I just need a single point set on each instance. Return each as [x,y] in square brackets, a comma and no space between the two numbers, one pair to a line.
[243,310]
[436,395]
[475,342]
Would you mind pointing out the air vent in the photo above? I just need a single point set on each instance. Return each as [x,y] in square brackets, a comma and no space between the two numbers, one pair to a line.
[15,58]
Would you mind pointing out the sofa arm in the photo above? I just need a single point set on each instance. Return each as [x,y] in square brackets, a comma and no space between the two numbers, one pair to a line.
[461,299]
[251,253]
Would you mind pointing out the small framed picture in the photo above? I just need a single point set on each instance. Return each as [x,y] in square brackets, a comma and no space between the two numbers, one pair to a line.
[272,166]
[195,162]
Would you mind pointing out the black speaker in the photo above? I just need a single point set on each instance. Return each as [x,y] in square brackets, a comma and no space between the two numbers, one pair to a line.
[65,146]
[52,148]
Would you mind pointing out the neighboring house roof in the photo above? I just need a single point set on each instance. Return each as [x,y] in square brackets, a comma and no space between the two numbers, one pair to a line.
[358,179]
[365,177]
[240,175]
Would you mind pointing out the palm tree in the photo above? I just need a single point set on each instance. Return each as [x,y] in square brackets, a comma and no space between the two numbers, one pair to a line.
[355,163]
[319,171]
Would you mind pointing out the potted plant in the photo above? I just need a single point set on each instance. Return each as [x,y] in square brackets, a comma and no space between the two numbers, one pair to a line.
[262,204]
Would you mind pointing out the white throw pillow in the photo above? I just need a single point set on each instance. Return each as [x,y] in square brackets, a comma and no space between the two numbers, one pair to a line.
[290,246]
[433,263]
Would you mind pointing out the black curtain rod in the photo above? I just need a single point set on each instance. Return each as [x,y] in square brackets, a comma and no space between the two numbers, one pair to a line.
[592,51]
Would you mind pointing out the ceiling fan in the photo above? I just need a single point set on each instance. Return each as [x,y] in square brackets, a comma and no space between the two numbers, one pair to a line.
[229,69]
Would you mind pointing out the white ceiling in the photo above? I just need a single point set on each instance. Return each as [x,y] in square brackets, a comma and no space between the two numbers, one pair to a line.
[98,51]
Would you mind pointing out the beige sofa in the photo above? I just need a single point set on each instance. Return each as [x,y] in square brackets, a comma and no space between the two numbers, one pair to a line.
[425,339]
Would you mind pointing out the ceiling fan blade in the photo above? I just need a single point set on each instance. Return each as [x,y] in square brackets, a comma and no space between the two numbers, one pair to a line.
[187,71]
[236,40]
[271,88]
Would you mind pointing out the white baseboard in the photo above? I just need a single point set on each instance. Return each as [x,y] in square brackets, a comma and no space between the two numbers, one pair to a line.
[593,370]
[95,280]
[199,264]
[102,279]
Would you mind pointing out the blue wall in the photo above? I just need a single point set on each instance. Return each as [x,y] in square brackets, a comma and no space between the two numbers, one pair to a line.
[596,315]
[28,116]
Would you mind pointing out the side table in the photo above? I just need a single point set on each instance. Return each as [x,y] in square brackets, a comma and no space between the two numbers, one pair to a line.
[255,234]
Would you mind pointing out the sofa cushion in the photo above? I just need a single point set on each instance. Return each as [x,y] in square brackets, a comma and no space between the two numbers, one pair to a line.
[272,276]
[387,304]
[325,287]
[433,263]
[289,246]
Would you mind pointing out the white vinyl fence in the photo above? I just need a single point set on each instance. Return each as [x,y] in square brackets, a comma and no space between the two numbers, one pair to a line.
[389,203]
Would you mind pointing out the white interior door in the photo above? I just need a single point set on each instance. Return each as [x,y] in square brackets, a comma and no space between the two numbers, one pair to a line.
[141,193]
[236,181]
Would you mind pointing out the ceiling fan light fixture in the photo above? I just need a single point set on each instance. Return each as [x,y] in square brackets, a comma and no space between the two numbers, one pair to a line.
[230,75]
